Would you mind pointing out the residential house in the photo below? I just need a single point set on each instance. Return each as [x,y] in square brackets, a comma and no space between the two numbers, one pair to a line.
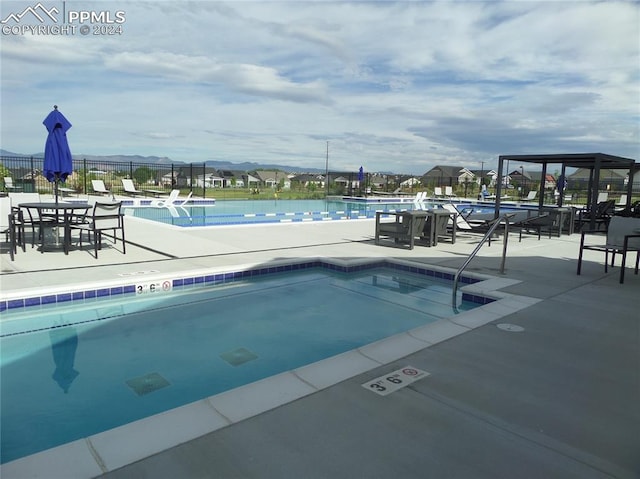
[273,179]
[442,175]
[615,180]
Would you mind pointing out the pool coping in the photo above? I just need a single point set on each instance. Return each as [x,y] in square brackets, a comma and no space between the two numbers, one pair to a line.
[123,445]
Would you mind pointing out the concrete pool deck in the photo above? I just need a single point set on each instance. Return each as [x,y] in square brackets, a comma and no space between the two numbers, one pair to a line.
[561,398]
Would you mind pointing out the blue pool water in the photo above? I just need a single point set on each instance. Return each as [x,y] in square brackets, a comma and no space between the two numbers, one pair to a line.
[264,211]
[78,368]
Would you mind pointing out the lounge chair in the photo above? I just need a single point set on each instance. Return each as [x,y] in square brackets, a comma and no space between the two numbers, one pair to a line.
[407,226]
[9,185]
[600,215]
[104,217]
[531,196]
[130,188]
[448,192]
[467,224]
[437,192]
[418,201]
[171,200]
[98,187]
[534,225]
[622,201]
[622,236]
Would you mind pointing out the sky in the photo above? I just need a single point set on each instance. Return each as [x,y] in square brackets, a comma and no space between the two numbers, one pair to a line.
[390,86]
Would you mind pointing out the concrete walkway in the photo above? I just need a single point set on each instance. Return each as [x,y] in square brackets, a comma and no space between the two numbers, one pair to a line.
[557,398]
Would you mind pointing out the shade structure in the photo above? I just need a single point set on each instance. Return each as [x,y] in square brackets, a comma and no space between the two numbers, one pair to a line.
[58,164]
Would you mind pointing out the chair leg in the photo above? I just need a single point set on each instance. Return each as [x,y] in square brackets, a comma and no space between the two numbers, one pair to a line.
[580,253]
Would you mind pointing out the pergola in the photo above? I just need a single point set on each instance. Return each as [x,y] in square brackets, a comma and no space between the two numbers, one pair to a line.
[591,161]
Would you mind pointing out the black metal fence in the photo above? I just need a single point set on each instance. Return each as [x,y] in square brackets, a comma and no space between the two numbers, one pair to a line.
[27,176]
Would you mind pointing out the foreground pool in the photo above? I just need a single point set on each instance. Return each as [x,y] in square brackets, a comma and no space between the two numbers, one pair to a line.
[77,368]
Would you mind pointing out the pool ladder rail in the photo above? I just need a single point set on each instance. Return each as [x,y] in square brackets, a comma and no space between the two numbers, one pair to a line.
[473,254]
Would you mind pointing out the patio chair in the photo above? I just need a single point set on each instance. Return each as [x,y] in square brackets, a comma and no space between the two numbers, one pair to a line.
[12,226]
[9,185]
[104,217]
[622,236]
[436,227]
[531,196]
[407,226]
[98,187]
[130,188]
[437,192]
[33,219]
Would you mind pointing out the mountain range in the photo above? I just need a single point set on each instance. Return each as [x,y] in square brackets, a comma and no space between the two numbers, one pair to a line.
[219,165]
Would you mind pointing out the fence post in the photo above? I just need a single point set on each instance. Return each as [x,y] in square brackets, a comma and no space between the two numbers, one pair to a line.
[191,177]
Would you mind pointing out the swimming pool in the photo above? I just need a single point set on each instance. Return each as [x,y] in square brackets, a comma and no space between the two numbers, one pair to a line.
[135,354]
[235,212]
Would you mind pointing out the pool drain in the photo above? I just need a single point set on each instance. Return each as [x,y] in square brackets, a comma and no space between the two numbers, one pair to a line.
[238,356]
[147,384]
[513,328]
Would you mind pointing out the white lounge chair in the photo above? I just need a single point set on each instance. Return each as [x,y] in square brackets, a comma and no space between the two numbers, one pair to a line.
[448,192]
[130,188]
[98,187]
[531,196]
[418,201]
[9,186]
[171,200]
[437,192]
[622,201]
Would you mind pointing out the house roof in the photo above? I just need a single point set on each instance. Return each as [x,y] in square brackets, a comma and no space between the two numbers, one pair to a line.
[444,171]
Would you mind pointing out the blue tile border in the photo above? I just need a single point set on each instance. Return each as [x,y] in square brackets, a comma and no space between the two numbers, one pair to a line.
[204,280]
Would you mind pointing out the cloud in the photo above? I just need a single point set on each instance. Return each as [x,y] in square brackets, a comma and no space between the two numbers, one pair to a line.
[393,86]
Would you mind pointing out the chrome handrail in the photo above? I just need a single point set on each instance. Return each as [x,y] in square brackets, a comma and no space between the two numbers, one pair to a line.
[487,235]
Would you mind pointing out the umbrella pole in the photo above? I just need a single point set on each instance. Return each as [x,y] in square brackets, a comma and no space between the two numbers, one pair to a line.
[55,186]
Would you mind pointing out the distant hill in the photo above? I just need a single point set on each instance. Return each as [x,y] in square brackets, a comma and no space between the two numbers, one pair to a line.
[219,165]
[250,166]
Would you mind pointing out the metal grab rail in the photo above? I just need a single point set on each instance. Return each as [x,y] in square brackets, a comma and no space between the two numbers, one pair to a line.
[484,239]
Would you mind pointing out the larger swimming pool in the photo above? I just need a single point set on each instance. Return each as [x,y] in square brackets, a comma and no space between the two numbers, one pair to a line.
[262,211]
[80,367]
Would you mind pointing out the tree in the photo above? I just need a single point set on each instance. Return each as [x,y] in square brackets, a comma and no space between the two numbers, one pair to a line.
[142,175]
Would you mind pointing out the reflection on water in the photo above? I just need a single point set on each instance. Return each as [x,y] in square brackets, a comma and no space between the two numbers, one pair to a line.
[64,342]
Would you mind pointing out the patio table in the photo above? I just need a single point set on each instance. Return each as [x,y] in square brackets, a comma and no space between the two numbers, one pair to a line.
[55,215]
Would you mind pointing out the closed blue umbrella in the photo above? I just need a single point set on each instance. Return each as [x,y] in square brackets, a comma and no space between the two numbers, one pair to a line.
[58,164]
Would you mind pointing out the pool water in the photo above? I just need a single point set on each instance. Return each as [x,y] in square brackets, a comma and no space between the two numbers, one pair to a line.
[264,211]
[73,370]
